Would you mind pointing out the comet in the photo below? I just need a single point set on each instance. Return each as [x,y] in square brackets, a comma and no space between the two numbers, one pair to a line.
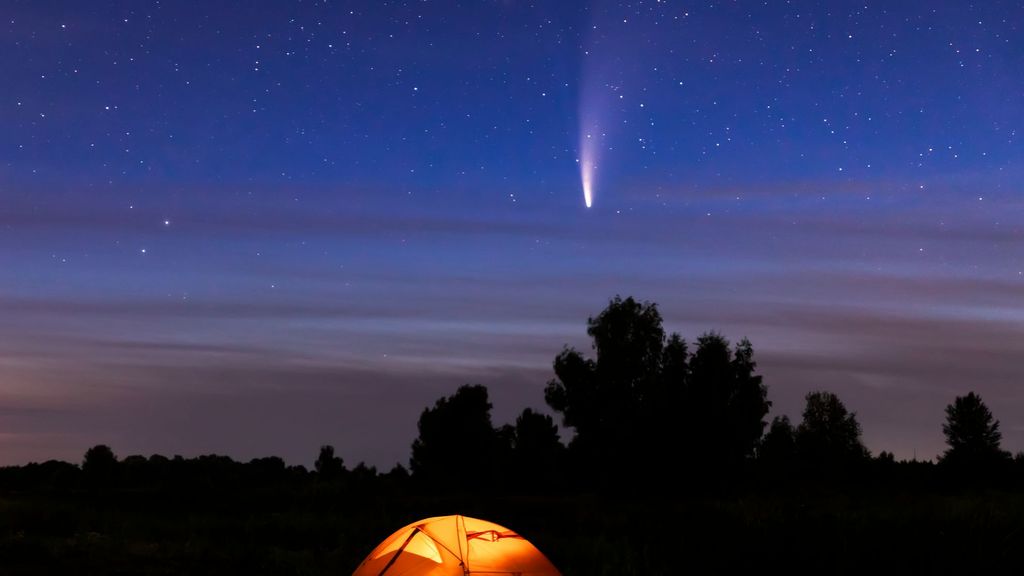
[601,98]
[587,177]
[588,151]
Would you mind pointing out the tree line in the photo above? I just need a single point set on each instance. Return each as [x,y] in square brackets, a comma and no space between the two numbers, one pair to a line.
[643,408]
[646,405]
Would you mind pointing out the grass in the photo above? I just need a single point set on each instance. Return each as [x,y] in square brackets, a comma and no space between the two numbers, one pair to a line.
[314,531]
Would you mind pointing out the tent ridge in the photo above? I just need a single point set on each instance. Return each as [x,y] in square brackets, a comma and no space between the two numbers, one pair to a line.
[494,535]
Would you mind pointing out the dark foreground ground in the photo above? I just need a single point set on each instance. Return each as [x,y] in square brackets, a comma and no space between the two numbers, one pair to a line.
[327,527]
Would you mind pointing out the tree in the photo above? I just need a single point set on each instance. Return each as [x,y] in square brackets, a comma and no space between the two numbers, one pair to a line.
[727,402]
[643,401]
[829,434]
[778,447]
[99,460]
[972,433]
[602,399]
[328,465]
[536,449]
[457,444]
[605,400]
[263,471]
[99,466]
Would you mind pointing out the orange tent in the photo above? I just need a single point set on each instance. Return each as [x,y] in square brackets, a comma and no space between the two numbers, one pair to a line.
[455,546]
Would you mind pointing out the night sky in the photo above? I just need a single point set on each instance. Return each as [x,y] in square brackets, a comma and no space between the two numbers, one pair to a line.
[253,228]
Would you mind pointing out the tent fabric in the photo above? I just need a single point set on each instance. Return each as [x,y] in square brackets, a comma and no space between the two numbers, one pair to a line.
[455,546]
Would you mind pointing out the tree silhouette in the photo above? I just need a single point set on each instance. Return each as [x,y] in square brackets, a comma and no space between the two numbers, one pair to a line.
[99,466]
[972,433]
[99,460]
[644,401]
[457,445]
[778,447]
[727,402]
[328,465]
[606,401]
[829,434]
[536,449]
[603,398]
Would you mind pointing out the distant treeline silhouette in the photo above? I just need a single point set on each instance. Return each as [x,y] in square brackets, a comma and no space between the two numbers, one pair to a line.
[645,407]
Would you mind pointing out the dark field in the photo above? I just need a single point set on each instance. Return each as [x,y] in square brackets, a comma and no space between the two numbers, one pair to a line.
[292,522]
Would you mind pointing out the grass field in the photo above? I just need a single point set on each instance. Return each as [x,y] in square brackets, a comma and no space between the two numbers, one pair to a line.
[323,529]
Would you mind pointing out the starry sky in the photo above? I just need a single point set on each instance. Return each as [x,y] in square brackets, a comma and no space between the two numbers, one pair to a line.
[255,228]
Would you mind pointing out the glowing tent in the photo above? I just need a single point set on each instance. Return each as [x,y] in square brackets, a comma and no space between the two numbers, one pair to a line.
[455,546]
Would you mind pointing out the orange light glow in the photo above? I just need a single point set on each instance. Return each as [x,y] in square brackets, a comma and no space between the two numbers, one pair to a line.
[455,546]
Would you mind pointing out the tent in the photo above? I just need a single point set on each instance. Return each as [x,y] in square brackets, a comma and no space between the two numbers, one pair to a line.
[455,546]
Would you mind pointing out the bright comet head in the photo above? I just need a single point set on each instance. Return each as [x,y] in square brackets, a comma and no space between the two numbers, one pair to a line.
[587,176]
